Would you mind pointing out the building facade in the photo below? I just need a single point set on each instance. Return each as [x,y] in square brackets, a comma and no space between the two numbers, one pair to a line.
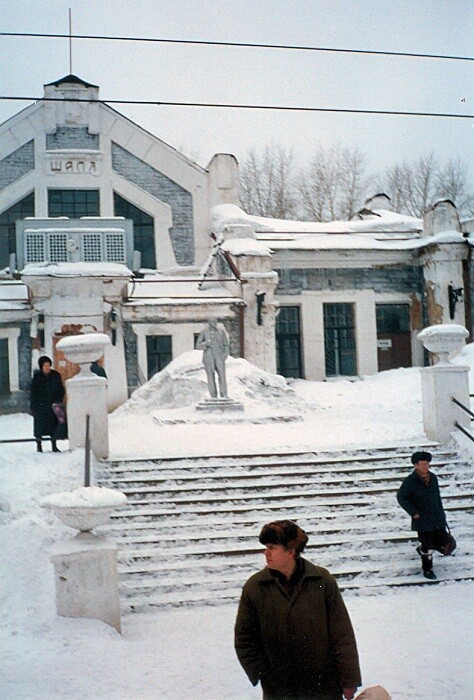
[103,227]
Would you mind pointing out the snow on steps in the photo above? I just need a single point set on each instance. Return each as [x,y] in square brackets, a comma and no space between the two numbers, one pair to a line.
[188,534]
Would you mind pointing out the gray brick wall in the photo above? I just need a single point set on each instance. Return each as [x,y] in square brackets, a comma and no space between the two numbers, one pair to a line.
[131,357]
[24,356]
[72,137]
[17,164]
[161,187]
[401,279]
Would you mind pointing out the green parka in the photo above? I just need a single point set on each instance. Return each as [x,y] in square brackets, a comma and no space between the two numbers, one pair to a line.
[301,646]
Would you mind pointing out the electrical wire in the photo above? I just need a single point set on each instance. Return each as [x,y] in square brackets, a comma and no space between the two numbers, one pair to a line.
[228,105]
[240,44]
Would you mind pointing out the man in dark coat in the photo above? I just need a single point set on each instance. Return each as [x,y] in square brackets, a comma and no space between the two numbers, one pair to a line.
[419,496]
[46,389]
[293,632]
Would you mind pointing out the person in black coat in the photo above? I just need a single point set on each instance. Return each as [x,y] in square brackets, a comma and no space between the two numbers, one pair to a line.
[419,496]
[46,389]
[98,369]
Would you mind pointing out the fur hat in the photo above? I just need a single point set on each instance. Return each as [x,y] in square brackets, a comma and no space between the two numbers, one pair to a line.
[421,457]
[43,359]
[286,533]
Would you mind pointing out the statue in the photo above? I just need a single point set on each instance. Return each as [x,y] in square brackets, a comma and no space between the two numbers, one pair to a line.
[214,343]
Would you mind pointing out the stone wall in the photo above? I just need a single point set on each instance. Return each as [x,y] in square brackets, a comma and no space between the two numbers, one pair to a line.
[72,137]
[131,357]
[404,280]
[164,189]
[17,164]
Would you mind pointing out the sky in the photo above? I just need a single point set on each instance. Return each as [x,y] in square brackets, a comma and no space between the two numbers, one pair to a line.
[415,641]
[140,71]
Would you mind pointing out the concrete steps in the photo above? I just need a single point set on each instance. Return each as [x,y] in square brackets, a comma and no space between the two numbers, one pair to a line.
[188,533]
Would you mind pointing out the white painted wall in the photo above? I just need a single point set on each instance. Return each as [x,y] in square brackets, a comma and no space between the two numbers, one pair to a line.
[312,322]
[182,338]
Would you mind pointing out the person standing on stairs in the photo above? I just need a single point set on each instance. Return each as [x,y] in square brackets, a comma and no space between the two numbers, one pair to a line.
[293,633]
[419,495]
[46,388]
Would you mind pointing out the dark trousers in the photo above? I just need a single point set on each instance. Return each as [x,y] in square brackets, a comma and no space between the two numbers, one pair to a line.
[434,539]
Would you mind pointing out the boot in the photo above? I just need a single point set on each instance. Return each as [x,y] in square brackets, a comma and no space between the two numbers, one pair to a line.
[426,563]
[54,446]
[39,446]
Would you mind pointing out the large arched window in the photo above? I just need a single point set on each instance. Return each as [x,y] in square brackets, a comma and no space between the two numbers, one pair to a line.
[143,230]
[25,207]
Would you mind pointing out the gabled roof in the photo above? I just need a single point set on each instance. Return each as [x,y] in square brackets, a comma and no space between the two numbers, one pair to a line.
[71,79]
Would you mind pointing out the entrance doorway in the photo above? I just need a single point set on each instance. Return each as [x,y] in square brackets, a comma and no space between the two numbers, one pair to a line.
[393,336]
[4,367]
[288,342]
[339,340]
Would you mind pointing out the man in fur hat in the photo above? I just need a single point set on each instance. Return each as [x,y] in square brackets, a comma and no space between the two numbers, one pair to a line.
[419,496]
[293,632]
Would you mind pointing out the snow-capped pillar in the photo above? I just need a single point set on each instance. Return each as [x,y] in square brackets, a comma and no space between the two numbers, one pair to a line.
[259,281]
[443,265]
[85,567]
[444,382]
[87,393]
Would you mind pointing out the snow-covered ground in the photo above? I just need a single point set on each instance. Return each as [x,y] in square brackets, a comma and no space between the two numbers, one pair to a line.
[417,642]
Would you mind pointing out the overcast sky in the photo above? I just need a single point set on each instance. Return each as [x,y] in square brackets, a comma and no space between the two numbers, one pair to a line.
[261,76]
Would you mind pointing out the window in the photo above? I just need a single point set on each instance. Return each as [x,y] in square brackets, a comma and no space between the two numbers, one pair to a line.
[158,352]
[392,318]
[73,203]
[4,369]
[288,342]
[143,230]
[25,207]
[339,340]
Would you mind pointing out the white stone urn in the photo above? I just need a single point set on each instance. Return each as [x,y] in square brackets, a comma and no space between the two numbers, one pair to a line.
[84,349]
[86,507]
[444,340]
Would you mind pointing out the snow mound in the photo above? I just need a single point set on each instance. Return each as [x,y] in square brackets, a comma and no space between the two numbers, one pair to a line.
[183,383]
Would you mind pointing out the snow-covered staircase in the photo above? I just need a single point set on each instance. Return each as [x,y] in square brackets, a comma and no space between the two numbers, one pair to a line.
[189,532]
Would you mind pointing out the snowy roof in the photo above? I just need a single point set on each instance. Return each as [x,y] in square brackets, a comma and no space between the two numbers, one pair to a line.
[13,296]
[77,269]
[164,290]
[385,230]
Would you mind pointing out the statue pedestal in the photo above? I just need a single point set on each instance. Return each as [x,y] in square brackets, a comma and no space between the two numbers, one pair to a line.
[85,572]
[219,404]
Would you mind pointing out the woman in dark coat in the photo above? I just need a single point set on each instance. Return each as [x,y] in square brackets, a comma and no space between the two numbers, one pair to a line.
[46,389]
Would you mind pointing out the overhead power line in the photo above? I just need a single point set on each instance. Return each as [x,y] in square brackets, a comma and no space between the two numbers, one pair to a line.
[241,44]
[222,105]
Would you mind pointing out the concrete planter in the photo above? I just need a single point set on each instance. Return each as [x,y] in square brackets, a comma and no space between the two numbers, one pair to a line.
[443,340]
[84,349]
[85,508]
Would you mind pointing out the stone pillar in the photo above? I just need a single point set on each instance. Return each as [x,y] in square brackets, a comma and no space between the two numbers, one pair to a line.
[87,395]
[443,382]
[223,171]
[254,262]
[443,265]
[86,578]
[438,385]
